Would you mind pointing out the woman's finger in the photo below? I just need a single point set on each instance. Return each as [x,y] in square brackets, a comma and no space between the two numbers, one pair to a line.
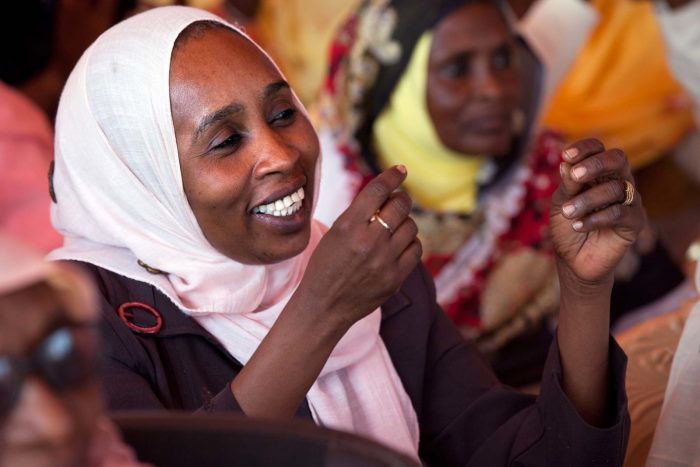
[393,213]
[615,216]
[409,259]
[404,235]
[376,193]
[595,198]
[580,150]
[610,164]
[568,184]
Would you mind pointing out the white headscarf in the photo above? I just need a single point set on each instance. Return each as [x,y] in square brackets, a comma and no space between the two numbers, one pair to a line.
[120,198]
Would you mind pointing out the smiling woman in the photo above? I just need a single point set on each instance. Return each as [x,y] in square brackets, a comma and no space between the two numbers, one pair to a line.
[186,179]
[242,161]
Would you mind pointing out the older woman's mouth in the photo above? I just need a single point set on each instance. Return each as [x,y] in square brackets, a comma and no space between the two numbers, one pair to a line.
[285,206]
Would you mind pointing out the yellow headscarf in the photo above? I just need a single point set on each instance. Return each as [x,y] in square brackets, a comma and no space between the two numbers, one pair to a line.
[438,178]
[620,89]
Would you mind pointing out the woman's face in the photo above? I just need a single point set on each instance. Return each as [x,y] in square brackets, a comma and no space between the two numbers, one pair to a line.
[473,83]
[247,152]
[45,426]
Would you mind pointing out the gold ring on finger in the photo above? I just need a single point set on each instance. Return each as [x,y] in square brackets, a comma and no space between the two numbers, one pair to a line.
[629,193]
[375,217]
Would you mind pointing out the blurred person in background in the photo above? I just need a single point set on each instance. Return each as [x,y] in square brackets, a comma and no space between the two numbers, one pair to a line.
[50,402]
[451,91]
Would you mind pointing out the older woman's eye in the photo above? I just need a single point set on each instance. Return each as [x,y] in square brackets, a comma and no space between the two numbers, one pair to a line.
[502,59]
[456,68]
[232,142]
[284,117]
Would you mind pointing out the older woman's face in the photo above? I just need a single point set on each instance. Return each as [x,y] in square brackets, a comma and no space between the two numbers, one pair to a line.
[473,85]
[247,152]
[45,426]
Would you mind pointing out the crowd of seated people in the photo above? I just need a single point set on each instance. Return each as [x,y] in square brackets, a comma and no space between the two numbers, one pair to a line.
[450,226]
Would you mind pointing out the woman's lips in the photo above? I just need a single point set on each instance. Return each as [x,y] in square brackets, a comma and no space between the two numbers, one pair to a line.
[490,124]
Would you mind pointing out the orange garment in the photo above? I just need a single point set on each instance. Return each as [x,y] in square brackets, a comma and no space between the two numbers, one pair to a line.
[298,33]
[620,89]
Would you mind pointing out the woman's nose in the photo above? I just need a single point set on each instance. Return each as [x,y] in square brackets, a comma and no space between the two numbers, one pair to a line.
[274,153]
[40,417]
[488,84]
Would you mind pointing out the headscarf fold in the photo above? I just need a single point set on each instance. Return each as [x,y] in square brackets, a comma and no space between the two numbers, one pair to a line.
[120,198]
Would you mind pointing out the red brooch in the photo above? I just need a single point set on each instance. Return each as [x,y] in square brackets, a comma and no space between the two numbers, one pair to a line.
[127,317]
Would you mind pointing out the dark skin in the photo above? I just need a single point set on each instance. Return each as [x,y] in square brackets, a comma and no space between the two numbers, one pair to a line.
[359,264]
[473,83]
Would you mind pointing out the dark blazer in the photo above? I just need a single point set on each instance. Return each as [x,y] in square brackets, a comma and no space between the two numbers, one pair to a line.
[466,417]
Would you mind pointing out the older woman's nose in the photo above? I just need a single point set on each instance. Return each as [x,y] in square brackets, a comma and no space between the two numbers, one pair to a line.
[40,417]
[487,82]
[274,153]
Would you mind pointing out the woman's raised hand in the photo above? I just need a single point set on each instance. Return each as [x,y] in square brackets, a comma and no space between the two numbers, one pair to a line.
[596,212]
[360,262]
[368,252]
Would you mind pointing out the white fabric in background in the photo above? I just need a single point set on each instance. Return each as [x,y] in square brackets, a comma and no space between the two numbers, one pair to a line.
[557,30]
[677,437]
[680,28]
[120,197]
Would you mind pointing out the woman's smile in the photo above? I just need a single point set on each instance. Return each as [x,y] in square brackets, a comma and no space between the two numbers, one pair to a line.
[283,206]
[285,214]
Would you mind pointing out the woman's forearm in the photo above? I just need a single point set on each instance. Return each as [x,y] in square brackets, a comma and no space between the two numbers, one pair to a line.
[278,375]
[583,336]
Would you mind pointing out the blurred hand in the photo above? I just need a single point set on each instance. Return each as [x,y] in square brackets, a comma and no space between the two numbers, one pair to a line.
[590,227]
[359,264]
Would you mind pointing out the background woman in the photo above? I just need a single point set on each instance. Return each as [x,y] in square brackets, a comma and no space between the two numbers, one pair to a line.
[448,90]
[186,174]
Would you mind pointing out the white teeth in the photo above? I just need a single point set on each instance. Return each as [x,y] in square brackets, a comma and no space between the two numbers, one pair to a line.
[282,207]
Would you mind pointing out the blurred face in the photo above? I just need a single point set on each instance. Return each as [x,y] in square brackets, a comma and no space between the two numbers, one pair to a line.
[51,419]
[247,153]
[473,85]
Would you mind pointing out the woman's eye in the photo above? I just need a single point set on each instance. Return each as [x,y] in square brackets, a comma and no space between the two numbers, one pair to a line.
[231,142]
[284,117]
[502,59]
[455,69]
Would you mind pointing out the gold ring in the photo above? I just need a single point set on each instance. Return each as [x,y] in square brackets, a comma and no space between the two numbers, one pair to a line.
[629,193]
[375,217]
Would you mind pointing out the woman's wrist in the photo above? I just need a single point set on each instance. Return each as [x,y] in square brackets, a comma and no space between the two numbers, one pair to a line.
[574,286]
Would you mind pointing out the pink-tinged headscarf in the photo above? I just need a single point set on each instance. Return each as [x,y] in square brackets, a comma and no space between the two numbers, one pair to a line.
[120,198]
